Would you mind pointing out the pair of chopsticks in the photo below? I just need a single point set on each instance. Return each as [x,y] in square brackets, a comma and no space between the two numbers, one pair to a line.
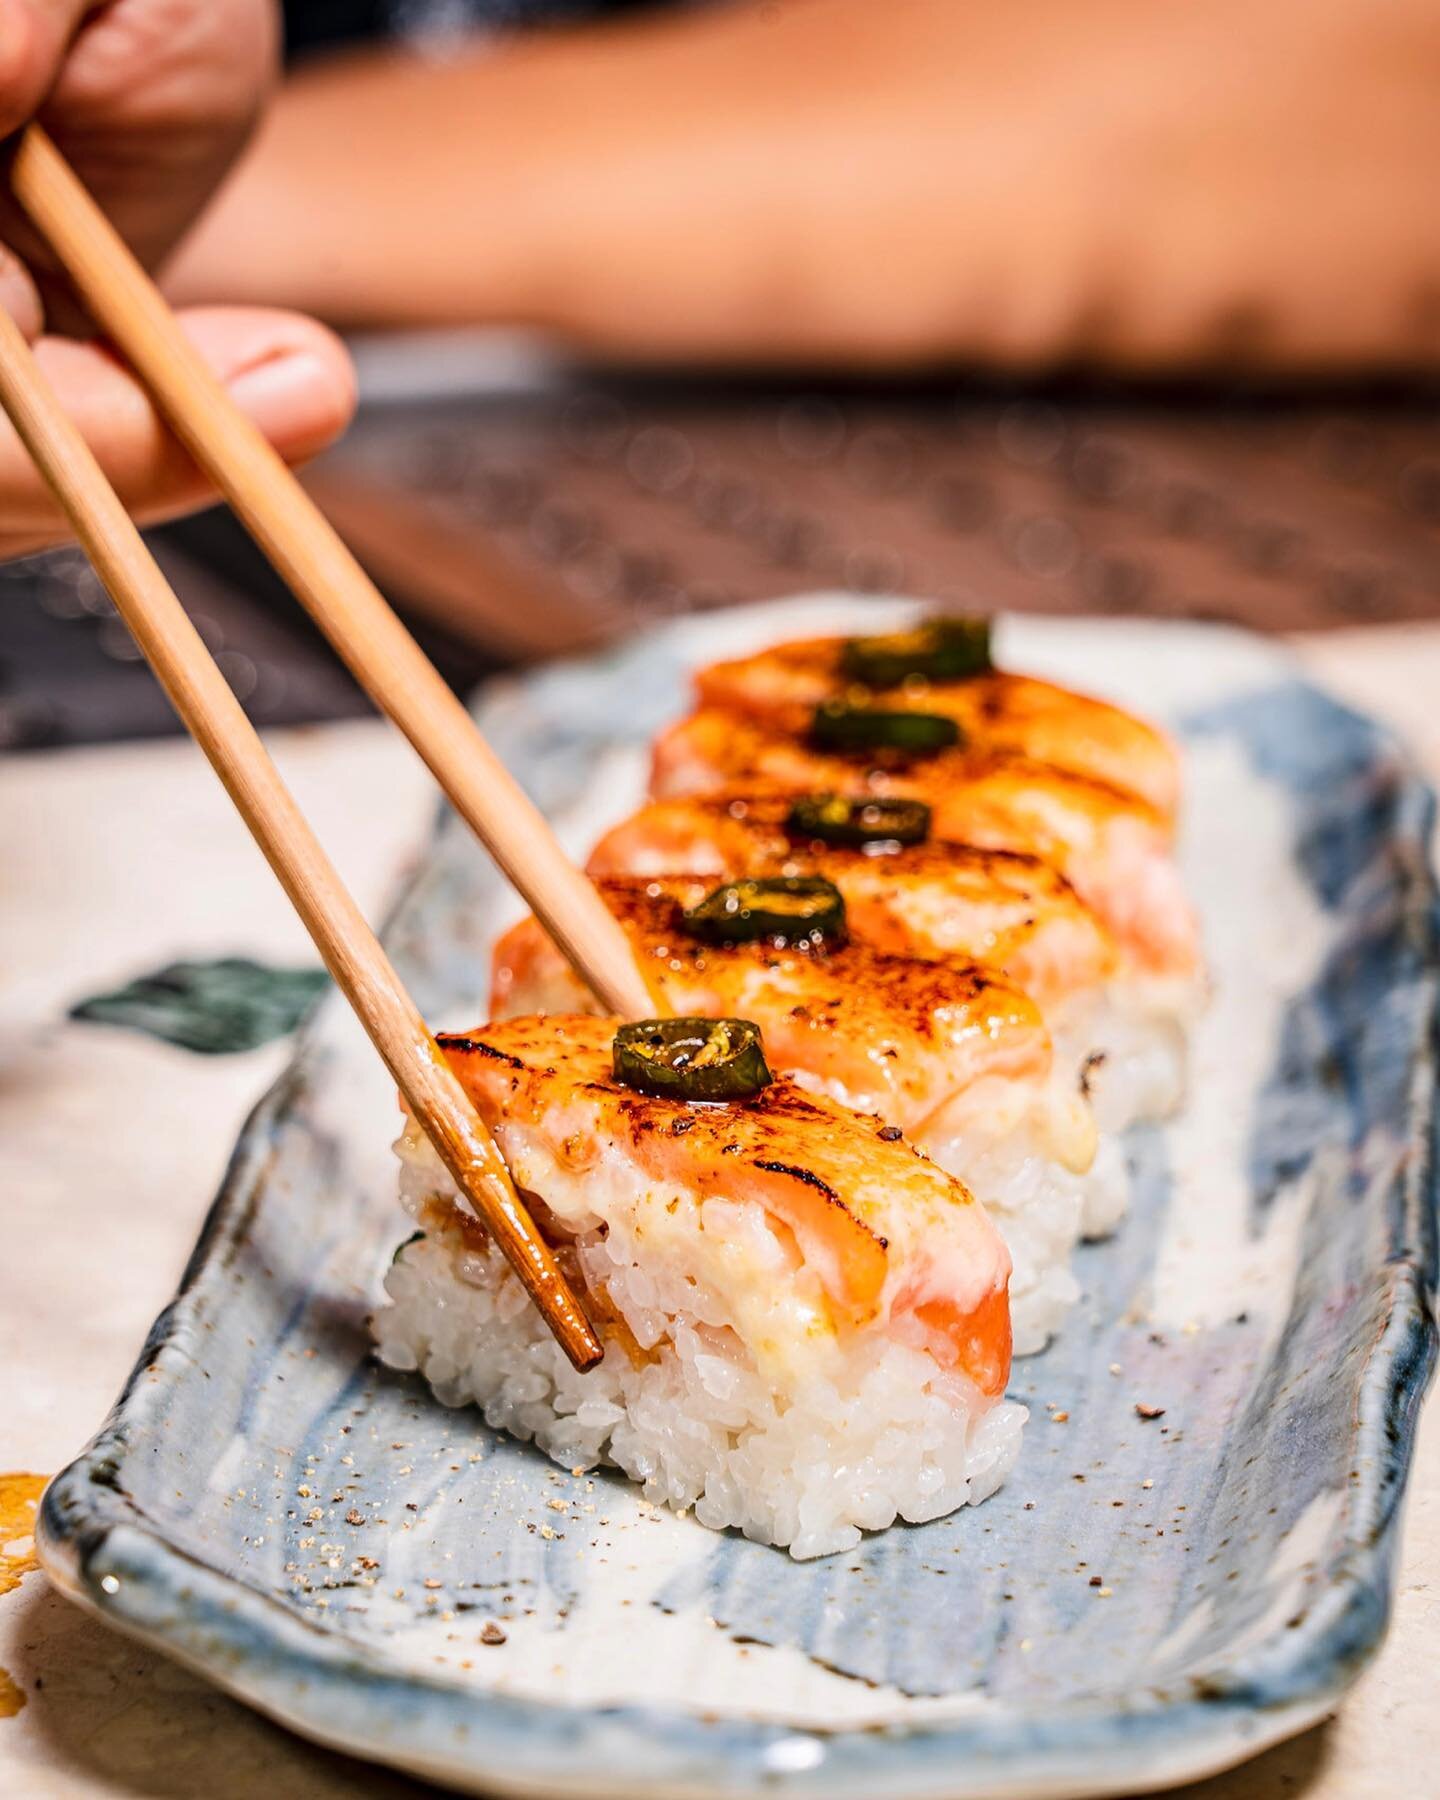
[375,646]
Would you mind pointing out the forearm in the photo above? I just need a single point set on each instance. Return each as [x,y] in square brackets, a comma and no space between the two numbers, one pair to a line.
[376,190]
[714,183]
[543,180]
[1138,186]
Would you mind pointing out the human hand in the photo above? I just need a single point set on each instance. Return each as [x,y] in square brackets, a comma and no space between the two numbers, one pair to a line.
[150,100]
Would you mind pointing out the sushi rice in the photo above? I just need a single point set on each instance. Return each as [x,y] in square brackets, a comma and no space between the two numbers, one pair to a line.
[867,1432]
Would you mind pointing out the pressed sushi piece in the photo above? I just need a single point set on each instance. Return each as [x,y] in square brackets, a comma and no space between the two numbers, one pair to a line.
[1119,1027]
[948,1050]
[943,666]
[1112,846]
[914,895]
[806,1322]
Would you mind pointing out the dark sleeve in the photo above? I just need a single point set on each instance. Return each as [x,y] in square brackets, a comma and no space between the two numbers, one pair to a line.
[318,24]
[312,25]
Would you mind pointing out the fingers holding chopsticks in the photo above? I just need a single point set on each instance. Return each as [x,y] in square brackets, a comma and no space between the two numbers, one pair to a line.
[152,101]
[291,376]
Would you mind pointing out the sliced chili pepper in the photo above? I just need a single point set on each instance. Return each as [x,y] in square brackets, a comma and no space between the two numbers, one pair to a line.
[691,1058]
[798,910]
[839,726]
[854,824]
[938,650]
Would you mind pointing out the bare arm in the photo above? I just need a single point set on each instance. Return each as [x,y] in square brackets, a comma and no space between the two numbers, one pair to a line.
[1145,186]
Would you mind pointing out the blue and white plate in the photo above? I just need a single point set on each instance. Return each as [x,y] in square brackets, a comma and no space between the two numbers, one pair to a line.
[323,1539]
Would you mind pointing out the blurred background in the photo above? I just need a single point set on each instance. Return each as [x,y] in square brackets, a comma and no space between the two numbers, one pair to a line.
[527,475]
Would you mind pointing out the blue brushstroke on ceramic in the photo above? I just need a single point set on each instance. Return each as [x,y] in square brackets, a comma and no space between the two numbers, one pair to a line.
[259,1351]
[1360,815]
[215,1008]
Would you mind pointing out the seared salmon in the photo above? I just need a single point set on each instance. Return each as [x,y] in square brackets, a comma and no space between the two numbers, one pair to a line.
[783,685]
[1113,846]
[933,899]
[875,1235]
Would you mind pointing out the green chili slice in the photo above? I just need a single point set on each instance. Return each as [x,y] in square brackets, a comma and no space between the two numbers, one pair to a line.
[691,1058]
[804,911]
[853,824]
[939,650]
[841,727]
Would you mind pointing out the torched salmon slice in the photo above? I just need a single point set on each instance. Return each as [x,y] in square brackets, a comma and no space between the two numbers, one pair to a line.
[935,899]
[1112,846]
[783,685]
[896,1244]
[889,1034]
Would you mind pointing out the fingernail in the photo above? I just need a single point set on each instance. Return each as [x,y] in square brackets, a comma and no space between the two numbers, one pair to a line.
[291,398]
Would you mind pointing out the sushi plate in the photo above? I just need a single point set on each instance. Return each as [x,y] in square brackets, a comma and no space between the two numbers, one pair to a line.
[1148,1599]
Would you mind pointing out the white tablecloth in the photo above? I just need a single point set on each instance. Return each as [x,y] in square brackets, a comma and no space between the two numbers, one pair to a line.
[111,1147]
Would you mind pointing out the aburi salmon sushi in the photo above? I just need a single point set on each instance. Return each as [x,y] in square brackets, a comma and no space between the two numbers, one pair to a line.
[951,1052]
[906,890]
[806,1322]
[1111,845]
[944,666]
[1119,1027]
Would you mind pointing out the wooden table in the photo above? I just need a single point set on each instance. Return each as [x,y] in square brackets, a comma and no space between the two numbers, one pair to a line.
[111,1146]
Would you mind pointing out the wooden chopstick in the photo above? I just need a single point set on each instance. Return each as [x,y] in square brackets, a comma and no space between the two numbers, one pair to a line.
[323,574]
[350,949]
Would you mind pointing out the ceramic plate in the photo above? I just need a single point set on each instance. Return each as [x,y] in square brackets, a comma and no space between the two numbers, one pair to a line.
[321,1538]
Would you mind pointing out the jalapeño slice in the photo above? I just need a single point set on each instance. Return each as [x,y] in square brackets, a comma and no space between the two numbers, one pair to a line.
[691,1058]
[798,910]
[939,650]
[855,824]
[841,727]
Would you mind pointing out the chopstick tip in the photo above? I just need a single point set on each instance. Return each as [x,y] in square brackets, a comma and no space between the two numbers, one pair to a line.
[586,1353]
